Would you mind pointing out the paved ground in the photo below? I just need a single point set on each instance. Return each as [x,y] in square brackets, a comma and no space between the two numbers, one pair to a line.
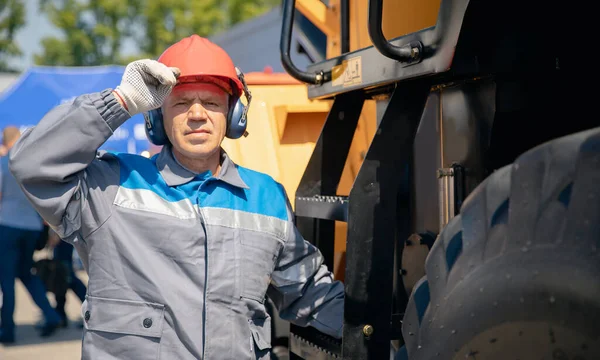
[65,344]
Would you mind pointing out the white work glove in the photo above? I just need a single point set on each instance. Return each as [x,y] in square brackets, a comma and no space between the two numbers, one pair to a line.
[145,85]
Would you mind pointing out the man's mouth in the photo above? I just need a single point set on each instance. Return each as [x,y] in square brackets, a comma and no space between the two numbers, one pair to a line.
[199,131]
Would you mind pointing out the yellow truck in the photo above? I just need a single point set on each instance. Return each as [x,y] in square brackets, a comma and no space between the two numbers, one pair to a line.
[443,161]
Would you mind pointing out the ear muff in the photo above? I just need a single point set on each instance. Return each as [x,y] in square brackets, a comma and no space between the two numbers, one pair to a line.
[236,122]
[238,113]
[155,130]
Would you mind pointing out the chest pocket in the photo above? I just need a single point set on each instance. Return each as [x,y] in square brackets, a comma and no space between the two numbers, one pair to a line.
[259,253]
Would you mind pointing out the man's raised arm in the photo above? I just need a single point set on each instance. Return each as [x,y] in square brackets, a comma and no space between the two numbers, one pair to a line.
[55,162]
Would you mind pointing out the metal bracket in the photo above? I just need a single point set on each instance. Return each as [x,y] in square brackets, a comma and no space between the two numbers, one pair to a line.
[451,192]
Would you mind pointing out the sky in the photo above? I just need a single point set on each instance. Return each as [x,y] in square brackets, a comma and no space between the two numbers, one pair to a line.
[37,26]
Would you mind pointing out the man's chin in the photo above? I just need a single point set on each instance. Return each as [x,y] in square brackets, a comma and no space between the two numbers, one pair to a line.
[199,151]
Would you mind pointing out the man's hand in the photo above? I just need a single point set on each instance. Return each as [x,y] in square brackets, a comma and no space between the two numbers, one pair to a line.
[53,240]
[145,85]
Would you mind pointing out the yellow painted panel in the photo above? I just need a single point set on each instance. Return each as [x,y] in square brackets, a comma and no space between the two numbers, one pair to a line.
[407,16]
[323,17]
[399,18]
[283,157]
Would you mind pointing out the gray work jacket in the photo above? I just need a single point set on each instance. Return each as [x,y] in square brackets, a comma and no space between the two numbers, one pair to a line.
[179,264]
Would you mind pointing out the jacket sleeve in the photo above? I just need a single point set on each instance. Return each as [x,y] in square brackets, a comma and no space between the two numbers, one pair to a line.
[303,289]
[57,165]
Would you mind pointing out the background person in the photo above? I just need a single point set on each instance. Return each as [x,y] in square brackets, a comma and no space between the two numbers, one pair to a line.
[63,252]
[20,229]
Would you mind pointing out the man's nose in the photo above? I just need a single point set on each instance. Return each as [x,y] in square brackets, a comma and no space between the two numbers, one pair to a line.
[197,112]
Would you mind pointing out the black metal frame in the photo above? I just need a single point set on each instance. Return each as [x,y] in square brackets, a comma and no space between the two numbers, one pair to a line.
[436,46]
[379,214]
[316,205]
[384,183]
[371,241]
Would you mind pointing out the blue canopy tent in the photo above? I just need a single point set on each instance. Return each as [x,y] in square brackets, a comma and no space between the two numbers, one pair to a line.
[40,89]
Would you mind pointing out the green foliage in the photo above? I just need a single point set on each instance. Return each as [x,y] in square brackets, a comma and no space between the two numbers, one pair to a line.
[166,21]
[92,31]
[95,30]
[242,10]
[12,18]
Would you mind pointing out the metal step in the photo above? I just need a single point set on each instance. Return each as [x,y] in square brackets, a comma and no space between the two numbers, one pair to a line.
[323,207]
[309,343]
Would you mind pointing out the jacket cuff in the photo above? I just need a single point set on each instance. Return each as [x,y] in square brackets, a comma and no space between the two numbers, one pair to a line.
[109,108]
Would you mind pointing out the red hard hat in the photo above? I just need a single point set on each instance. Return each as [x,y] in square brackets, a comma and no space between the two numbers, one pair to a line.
[199,59]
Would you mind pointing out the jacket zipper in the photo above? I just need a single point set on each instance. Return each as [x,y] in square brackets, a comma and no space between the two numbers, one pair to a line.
[204,310]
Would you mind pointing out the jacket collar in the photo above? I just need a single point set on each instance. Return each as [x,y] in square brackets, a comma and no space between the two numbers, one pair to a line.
[176,174]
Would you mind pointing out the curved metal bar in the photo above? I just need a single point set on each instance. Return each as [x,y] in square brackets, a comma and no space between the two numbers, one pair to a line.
[345,26]
[287,24]
[407,53]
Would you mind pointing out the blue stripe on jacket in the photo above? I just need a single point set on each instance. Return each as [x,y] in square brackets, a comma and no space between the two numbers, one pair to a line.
[265,196]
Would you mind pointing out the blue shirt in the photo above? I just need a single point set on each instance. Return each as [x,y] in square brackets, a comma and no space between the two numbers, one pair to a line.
[15,210]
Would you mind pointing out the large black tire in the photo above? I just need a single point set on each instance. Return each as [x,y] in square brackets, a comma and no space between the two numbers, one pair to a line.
[517,274]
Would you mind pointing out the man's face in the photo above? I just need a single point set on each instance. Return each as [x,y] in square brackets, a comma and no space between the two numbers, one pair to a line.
[195,117]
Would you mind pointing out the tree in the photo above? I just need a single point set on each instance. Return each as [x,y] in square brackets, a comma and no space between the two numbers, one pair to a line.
[165,21]
[94,31]
[12,18]
[241,10]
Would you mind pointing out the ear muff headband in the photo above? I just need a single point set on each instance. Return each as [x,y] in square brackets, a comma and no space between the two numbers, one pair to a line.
[236,118]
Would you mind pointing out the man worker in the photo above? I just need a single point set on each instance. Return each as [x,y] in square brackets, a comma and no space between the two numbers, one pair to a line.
[20,229]
[181,248]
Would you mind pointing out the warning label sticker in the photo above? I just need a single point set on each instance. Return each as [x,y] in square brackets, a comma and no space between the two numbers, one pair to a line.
[348,73]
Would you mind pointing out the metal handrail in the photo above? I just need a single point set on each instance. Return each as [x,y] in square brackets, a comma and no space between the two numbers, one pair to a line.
[345,26]
[287,24]
[406,53]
